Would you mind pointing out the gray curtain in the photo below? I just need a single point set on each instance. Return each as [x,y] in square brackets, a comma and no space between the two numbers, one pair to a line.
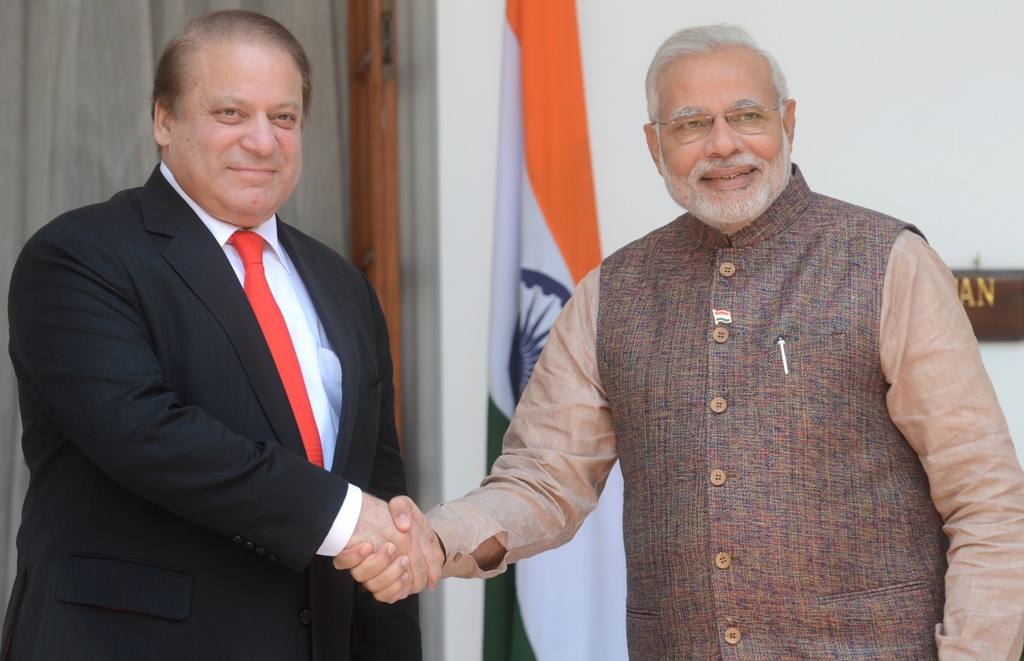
[75,77]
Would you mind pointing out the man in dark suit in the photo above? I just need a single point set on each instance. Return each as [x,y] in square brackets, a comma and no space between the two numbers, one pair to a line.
[199,451]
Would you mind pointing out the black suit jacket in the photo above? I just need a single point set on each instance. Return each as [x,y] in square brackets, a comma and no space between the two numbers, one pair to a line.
[171,512]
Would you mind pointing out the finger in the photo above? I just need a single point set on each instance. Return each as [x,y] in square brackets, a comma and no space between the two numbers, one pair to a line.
[395,576]
[402,590]
[394,592]
[402,511]
[352,556]
[419,565]
[375,564]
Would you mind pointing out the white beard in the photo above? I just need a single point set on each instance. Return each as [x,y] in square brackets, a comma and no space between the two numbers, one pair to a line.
[729,211]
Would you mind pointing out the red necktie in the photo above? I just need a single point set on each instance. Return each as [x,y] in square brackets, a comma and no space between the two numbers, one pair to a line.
[250,249]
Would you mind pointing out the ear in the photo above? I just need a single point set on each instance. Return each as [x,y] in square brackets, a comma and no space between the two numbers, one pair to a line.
[162,119]
[654,145]
[789,120]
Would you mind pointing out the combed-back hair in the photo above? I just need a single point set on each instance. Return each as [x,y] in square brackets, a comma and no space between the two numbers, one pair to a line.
[171,74]
[705,40]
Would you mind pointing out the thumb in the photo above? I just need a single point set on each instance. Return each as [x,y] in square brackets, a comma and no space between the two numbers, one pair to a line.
[421,520]
[402,509]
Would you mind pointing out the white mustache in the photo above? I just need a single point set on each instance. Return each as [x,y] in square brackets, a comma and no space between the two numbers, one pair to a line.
[704,167]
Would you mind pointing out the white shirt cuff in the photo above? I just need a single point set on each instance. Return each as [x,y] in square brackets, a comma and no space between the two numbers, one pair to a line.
[344,523]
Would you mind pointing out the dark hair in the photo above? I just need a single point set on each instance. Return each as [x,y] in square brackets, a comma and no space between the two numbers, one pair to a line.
[228,25]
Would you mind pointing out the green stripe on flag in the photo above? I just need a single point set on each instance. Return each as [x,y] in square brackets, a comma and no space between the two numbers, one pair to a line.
[504,636]
[497,425]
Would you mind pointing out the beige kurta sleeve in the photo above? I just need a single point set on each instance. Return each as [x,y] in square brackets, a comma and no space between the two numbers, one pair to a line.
[942,400]
[555,458]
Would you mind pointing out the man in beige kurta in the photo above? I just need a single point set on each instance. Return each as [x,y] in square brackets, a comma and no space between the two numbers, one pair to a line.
[883,517]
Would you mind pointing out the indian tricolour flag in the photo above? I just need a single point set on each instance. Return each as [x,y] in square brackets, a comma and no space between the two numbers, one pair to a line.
[569,603]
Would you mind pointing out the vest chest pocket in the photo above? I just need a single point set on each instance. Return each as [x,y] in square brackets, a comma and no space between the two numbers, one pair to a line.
[803,364]
[804,378]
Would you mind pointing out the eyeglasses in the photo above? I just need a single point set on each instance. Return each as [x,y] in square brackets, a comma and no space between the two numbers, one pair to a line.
[691,128]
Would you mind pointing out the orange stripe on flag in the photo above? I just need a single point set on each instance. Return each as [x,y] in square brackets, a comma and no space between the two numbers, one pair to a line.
[555,127]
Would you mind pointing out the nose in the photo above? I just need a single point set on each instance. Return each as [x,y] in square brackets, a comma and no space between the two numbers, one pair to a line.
[260,138]
[723,140]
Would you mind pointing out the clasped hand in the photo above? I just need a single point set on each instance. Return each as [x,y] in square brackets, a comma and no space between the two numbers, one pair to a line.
[393,551]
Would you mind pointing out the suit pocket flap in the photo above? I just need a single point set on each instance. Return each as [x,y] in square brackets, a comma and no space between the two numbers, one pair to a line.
[125,585]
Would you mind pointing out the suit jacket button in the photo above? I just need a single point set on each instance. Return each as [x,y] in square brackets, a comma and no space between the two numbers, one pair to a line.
[249,545]
[732,635]
[305,617]
[727,269]
[260,550]
[718,404]
[271,557]
[236,539]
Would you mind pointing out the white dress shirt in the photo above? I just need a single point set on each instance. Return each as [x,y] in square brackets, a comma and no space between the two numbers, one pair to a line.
[321,369]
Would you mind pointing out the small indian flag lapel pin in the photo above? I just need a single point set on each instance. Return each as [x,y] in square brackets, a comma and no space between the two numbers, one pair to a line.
[721,316]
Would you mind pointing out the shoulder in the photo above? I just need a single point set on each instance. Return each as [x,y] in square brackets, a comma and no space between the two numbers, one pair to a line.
[95,228]
[862,228]
[823,206]
[639,248]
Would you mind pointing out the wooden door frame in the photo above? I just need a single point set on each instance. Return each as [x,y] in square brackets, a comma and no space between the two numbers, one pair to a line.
[373,136]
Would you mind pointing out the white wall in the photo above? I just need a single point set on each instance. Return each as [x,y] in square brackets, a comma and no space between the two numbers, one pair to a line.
[905,107]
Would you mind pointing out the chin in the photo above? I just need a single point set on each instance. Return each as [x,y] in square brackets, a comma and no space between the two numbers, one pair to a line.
[730,210]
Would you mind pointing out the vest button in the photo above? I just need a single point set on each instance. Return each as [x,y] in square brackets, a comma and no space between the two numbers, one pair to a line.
[305,616]
[718,404]
[721,334]
[718,477]
[723,560]
[727,269]
[732,635]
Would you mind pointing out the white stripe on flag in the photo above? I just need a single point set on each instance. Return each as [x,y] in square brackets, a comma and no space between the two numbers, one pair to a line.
[507,235]
[573,598]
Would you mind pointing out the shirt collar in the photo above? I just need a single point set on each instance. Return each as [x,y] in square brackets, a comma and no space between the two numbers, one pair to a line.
[222,230]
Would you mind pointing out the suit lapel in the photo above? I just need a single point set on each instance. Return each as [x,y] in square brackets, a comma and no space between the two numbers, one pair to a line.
[194,254]
[331,304]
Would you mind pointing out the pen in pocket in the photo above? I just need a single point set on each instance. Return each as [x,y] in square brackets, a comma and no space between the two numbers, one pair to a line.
[782,350]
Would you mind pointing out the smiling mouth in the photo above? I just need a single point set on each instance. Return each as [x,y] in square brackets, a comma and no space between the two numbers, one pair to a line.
[728,177]
[255,174]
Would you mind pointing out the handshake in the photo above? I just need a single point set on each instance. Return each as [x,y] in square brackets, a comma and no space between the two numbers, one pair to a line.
[393,551]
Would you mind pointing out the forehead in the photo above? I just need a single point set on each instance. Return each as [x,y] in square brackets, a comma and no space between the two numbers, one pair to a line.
[244,65]
[715,82]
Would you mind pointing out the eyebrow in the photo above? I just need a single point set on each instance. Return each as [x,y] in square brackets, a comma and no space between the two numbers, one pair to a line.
[690,111]
[747,103]
[235,101]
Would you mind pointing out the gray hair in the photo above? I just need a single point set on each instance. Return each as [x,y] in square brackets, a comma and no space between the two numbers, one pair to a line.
[705,40]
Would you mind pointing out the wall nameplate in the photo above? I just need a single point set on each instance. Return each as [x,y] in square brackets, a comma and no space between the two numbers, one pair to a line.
[994,301]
